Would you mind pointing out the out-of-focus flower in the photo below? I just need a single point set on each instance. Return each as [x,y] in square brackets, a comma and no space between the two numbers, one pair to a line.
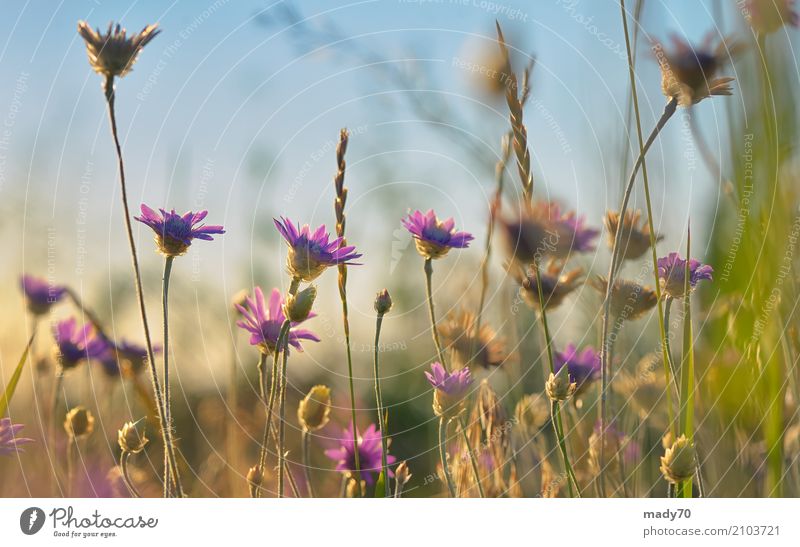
[484,348]
[383,302]
[583,367]
[526,237]
[255,477]
[173,232]
[629,300]
[450,389]
[646,391]
[264,322]
[569,231]
[9,442]
[635,238]
[672,274]
[310,254]
[314,410]
[556,285]
[74,344]
[768,16]
[369,453]
[133,357]
[559,386]
[617,445]
[79,422]
[532,412]
[298,306]
[114,53]
[130,439]
[689,73]
[433,237]
[679,461]
[40,295]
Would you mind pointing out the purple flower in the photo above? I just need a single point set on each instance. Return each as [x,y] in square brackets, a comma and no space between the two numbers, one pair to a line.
[583,367]
[133,356]
[369,453]
[173,232]
[75,344]
[264,323]
[9,442]
[310,254]
[568,232]
[672,274]
[434,237]
[40,295]
[455,384]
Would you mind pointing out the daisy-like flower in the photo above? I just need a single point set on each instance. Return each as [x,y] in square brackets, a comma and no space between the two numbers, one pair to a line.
[450,389]
[629,300]
[74,344]
[484,348]
[263,322]
[556,285]
[9,442]
[672,274]
[113,53]
[369,453]
[310,254]
[569,233]
[40,295]
[635,237]
[433,237]
[768,16]
[173,232]
[689,73]
[583,367]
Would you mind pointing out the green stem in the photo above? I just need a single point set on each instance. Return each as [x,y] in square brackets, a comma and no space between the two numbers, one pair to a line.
[431,311]
[171,477]
[306,441]
[351,385]
[558,426]
[443,455]
[381,413]
[472,460]
[686,409]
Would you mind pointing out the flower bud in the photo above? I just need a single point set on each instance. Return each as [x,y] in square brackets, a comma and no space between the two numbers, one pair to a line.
[314,410]
[298,306]
[79,422]
[383,302]
[558,386]
[679,461]
[130,440]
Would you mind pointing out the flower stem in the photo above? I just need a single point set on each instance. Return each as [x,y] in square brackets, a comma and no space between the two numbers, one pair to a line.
[171,476]
[381,415]
[686,405]
[166,435]
[431,311]
[306,441]
[472,460]
[123,463]
[443,455]
[282,426]
[58,382]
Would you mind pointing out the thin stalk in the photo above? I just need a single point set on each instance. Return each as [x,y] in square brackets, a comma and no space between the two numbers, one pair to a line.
[558,427]
[381,415]
[123,463]
[443,455]
[282,426]
[166,435]
[269,403]
[428,267]
[306,443]
[604,381]
[51,428]
[231,438]
[71,442]
[472,460]
[171,477]
[686,408]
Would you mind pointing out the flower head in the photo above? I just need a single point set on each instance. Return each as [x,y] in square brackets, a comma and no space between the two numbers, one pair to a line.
[672,274]
[569,231]
[629,300]
[130,439]
[369,453]
[768,16]
[556,285]
[310,254]
[583,367]
[264,322]
[679,461]
[133,357]
[635,239]
[617,445]
[9,442]
[433,237]
[559,385]
[469,345]
[114,53]
[173,232]
[450,389]
[74,344]
[40,295]
[79,422]
[314,410]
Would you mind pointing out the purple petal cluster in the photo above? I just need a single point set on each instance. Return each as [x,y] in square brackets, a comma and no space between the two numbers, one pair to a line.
[672,274]
[583,367]
[40,295]
[263,322]
[454,384]
[173,232]
[9,442]
[310,254]
[369,453]
[569,233]
[434,237]
[74,344]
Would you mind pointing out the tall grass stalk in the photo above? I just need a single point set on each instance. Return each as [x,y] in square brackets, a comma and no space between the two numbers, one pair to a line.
[443,456]
[472,459]
[171,477]
[428,268]
[686,404]
[123,464]
[381,411]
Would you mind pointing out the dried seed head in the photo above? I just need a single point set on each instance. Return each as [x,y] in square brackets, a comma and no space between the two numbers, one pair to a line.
[130,440]
[469,346]
[629,300]
[532,413]
[298,306]
[314,410]
[402,474]
[556,285]
[113,53]
[559,386]
[383,302]
[79,422]
[635,237]
[679,461]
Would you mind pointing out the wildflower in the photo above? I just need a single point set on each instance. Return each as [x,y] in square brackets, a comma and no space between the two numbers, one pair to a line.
[130,440]
[9,442]
[310,254]
[314,410]
[40,295]
[369,453]
[113,53]
[450,389]
[635,238]
[688,73]
[559,386]
[526,237]
[569,233]
[133,357]
[383,302]
[679,461]
[484,347]
[629,300]
[768,16]
[646,390]
[672,274]
[583,367]
[74,344]
[433,237]
[532,412]
[79,422]
[264,323]
[556,285]
[174,233]
[298,306]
